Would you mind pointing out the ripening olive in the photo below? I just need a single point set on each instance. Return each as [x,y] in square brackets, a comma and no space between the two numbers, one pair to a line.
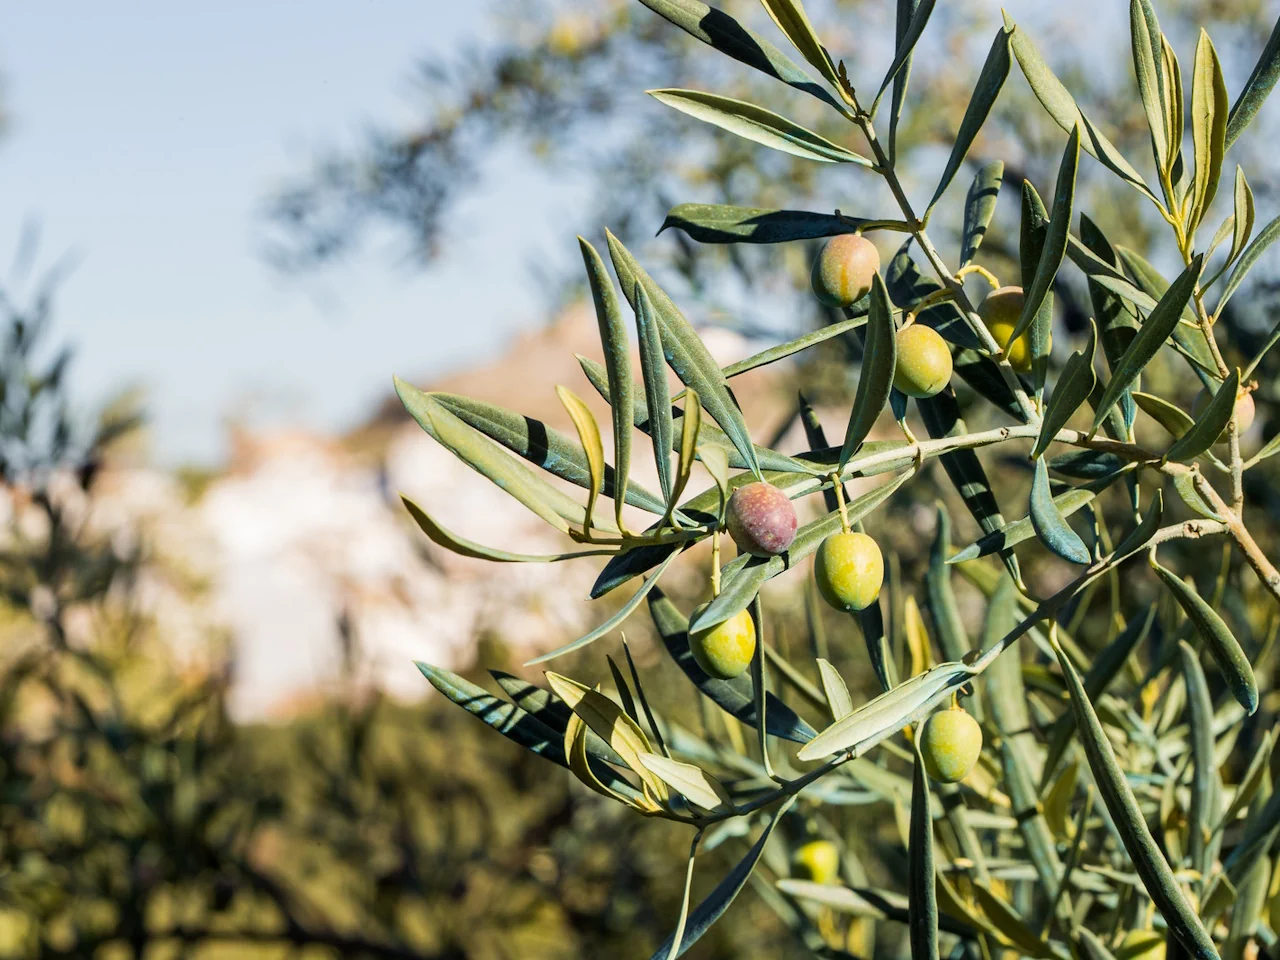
[924,361]
[1245,411]
[849,570]
[818,861]
[950,744]
[1141,945]
[1000,312]
[761,519]
[725,650]
[843,270]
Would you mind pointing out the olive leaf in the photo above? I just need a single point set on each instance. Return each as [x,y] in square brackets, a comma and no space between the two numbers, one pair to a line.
[711,909]
[1145,530]
[1208,126]
[1148,65]
[908,36]
[790,347]
[1117,322]
[686,354]
[903,21]
[589,435]
[1075,384]
[1264,239]
[1206,785]
[1242,217]
[952,637]
[1159,324]
[1011,926]
[677,938]
[689,425]
[1185,485]
[888,713]
[1027,810]
[653,371]
[835,690]
[879,360]
[1217,636]
[617,619]
[694,783]
[793,21]
[735,696]
[1086,464]
[607,720]
[723,223]
[1147,859]
[1175,420]
[1055,98]
[922,915]
[716,28]
[469,548]
[758,125]
[1018,531]
[979,207]
[907,286]
[995,70]
[551,710]
[1052,530]
[617,359]
[1265,73]
[1188,337]
[1208,427]
[1055,239]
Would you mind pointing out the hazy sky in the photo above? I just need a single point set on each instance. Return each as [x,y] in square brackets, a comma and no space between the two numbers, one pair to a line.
[145,136]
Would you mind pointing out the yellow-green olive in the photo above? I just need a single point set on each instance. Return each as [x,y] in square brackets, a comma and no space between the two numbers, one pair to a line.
[950,744]
[849,570]
[1000,312]
[843,270]
[725,650]
[924,361]
[761,519]
[818,861]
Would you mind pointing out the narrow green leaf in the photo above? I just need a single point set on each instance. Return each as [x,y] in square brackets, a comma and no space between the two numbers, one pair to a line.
[1243,214]
[1206,785]
[1265,73]
[952,636]
[1218,637]
[1010,925]
[1187,336]
[677,938]
[1055,240]
[979,208]
[735,696]
[657,396]
[1246,912]
[617,359]
[694,783]
[686,354]
[793,21]
[1086,464]
[1208,126]
[1264,239]
[1052,530]
[1117,322]
[589,435]
[689,425]
[1148,65]
[908,37]
[1208,427]
[791,347]
[551,710]
[1185,485]
[1175,420]
[469,548]
[1159,324]
[1018,531]
[903,20]
[888,713]
[1074,385]
[1104,668]
[723,223]
[1145,530]
[995,69]
[532,440]
[922,915]
[1027,810]
[758,125]
[1062,107]
[716,28]
[835,690]
[1147,859]
[879,360]
[717,902]
[616,620]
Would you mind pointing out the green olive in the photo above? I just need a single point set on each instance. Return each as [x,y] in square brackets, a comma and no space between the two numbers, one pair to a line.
[843,270]
[849,570]
[1000,312]
[1141,945]
[950,743]
[924,361]
[818,861]
[724,651]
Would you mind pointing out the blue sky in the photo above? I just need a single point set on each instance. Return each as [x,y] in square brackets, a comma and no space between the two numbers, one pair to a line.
[145,136]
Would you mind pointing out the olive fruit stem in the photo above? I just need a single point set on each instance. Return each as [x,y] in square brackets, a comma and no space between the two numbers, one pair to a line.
[715,564]
[983,272]
[844,510]
[933,298]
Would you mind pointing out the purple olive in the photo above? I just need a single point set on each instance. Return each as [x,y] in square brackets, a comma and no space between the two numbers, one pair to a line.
[761,519]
